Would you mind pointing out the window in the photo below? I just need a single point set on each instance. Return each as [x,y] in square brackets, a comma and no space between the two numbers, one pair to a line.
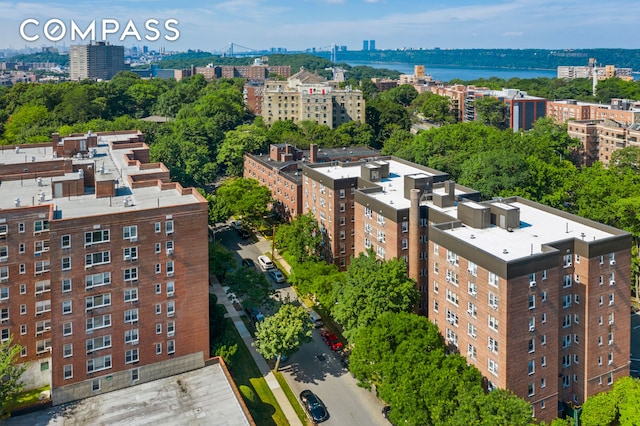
[472,309]
[472,268]
[566,381]
[99,258]
[158,328]
[169,247]
[170,288]
[566,281]
[471,351]
[68,371]
[452,318]
[452,297]
[493,279]
[130,233]
[158,308]
[493,367]
[65,241]
[135,375]
[531,367]
[568,259]
[612,258]
[67,350]
[131,356]
[493,323]
[158,288]
[99,301]
[566,321]
[493,344]
[493,300]
[405,226]
[158,348]
[452,258]
[171,328]
[566,301]
[472,289]
[96,237]
[66,307]
[544,274]
[171,308]
[342,193]
[576,299]
[452,337]
[43,346]
[98,343]
[130,253]
[131,316]
[610,339]
[170,269]
[158,247]
[158,268]
[40,267]
[543,361]
[171,346]
[95,385]
[66,285]
[98,364]
[381,219]
[368,212]
[43,286]
[435,306]
[131,336]
[566,361]
[22,248]
[566,341]
[41,246]
[531,389]
[98,322]
[543,296]
[21,228]
[472,330]
[42,326]
[67,328]
[131,275]
[380,252]
[23,309]
[66,263]
[41,307]
[97,280]
[611,298]
[23,329]
[168,227]
[131,295]
[40,226]
[532,345]
[158,227]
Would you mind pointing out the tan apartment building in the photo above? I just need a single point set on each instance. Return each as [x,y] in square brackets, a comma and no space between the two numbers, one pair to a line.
[623,111]
[96,61]
[308,96]
[601,138]
[281,171]
[105,283]
[535,298]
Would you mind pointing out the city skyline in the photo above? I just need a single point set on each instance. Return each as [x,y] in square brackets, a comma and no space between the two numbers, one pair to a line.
[258,24]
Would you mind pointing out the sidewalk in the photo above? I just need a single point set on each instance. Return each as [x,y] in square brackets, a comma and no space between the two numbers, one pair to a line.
[279,394]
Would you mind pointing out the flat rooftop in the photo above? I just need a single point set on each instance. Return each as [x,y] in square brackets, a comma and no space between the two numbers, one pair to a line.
[537,227]
[30,192]
[199,397]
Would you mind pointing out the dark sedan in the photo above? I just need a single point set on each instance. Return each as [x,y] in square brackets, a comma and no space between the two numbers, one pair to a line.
[314,406]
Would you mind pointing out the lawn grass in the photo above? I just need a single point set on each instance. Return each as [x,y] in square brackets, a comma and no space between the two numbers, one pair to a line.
[266,411]
[25,398]
[292,398]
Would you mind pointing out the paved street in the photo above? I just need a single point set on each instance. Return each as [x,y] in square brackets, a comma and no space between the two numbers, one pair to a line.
[315,366]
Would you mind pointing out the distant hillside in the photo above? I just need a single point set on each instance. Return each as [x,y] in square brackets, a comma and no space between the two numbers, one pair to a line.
[497,58]
[62,60]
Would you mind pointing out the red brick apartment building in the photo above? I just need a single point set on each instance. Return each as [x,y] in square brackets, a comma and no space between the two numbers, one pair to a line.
[281,171]
[104,273]
[536,298]
[601,138]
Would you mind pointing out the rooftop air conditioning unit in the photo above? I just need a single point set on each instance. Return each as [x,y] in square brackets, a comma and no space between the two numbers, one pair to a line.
[169,251]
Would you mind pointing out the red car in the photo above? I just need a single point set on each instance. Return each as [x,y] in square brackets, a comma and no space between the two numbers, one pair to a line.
[331,340]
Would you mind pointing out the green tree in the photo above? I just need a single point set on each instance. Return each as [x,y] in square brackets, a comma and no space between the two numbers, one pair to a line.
[402,95]
[619,406]
[370,288]
[283,333]
[244,139]
[250,286]
[491,111]
[245,198]
[626,158]
[437,109]
[221,259]
[317,279]
[28,124]
[301,239]
[353,133]
[10,372]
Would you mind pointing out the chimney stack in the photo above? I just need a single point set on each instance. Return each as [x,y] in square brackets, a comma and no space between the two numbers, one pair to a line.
[414,236]
[313,153]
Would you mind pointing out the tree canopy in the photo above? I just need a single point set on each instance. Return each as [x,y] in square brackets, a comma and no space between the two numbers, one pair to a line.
[10,372]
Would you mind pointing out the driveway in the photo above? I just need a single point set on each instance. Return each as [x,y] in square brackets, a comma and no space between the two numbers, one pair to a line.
[315,366]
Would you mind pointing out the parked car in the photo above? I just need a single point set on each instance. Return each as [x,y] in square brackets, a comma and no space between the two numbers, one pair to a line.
[331,340]
[236,224]
[249,263]
[314,407]
[265,262]
[244,234]
[316,319]
[277,275]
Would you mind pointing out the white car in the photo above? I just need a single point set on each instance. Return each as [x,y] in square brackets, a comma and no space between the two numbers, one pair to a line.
[265,262]
[277,275]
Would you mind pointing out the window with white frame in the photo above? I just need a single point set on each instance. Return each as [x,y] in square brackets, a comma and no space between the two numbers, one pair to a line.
[158,227]
[493,279]
[158,247]
[472,289]
[567,260]
[98,343]
[452,297]
[472,309]
[130,253]
[67,350]
[492,367]
[135,374]
[41,246]
[368,212]
[99,258]
[171,308]
[43,346]
[451,336]
[42,306]
[170,270]
[158,328]
[380,252]
[97,280]
[158,348]
[169,247]
[171,288]
[566,321]
[65,241]
[404,226]
[42,326]
[131,295]
[493,323]
[66,307]
[98,364]
[96,237]
[168,227]
[98,322]
[131,356]
[68,371]
[131,336]
[98,301]
[472,352]
[532,301]
[472,268]
[493,345]
[566,281]
[532,345]
[566,301]
[66,263]
[40,267]
[130,232]
[452,318]
[611,298]
[171,346]
[566,341]
[131,274]
[171,328]
[368,228]
[40,226]
[131,316]
[493,300]
[472,330]
[66,285]
[43,286]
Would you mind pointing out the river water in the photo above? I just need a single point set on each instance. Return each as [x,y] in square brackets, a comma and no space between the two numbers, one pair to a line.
[450,73]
